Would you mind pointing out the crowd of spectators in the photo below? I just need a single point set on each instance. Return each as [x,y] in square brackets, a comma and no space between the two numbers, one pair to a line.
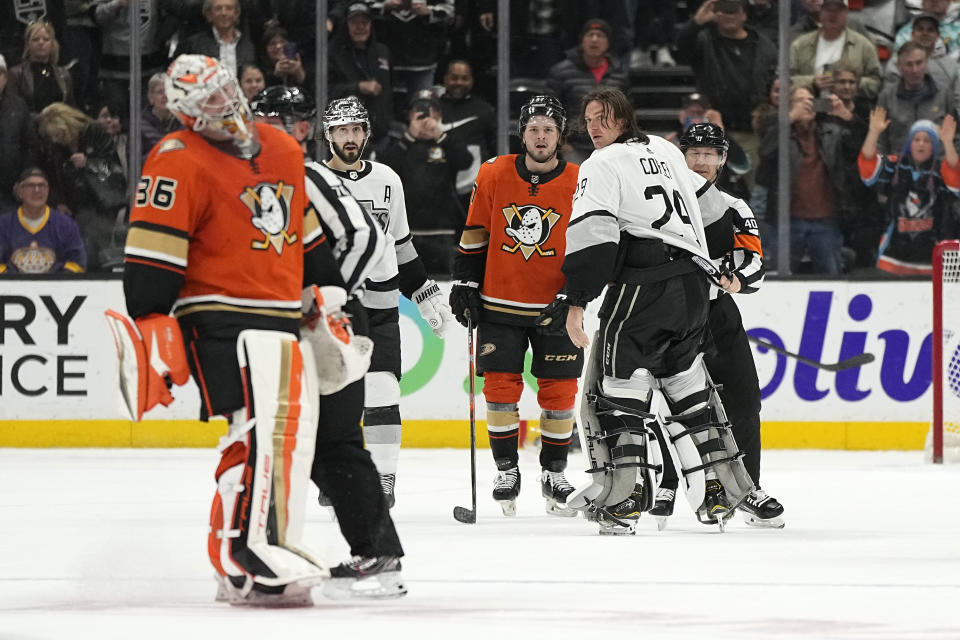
[425,70]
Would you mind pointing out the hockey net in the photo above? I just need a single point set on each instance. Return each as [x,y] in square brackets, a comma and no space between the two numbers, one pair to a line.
[943,443]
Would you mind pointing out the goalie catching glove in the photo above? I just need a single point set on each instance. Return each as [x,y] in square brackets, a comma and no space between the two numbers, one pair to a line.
[465,302]
[341,357]
[151,358]
[432,308]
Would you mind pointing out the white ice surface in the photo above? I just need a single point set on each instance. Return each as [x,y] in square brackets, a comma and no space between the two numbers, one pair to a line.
[112,544]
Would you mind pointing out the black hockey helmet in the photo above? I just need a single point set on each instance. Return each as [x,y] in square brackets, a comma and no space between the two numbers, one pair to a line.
[291,104]
[704,134]
[543,105]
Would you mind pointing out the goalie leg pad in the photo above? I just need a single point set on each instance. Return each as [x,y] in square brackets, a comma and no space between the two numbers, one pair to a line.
[278,440]
[152,358]
[381,420]
[702,437]
[614,417]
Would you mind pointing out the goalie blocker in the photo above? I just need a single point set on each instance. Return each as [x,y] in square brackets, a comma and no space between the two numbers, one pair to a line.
[151,358]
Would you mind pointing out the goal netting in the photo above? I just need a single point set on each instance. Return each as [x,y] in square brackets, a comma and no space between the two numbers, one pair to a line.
[943,442]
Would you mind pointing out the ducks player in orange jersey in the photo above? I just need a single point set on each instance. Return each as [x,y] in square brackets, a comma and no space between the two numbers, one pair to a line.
[506,271]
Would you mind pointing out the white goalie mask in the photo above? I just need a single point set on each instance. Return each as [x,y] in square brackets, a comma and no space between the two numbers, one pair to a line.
[206,97]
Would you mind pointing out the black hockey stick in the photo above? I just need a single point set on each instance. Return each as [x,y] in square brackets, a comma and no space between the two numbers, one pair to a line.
[469,516]
[843,365]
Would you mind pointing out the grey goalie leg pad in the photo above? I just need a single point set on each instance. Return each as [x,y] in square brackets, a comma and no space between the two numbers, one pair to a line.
[701,439]
[617,441]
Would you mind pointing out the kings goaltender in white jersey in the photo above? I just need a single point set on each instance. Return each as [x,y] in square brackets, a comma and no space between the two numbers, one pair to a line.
[648,186]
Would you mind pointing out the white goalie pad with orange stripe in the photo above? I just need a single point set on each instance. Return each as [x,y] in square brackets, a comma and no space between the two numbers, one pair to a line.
[151,358]
[340,356]
[256,533]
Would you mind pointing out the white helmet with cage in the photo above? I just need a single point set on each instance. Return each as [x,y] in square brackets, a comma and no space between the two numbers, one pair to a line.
[206,97]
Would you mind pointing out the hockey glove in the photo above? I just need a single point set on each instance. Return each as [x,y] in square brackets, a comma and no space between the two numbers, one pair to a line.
[553,319]
[432,308]
[465,300]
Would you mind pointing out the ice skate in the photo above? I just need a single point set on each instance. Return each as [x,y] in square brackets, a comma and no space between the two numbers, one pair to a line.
[621,519]
[239,592]
[762,511]
[663,507]
[369,578]
[387,482]
[715,509]
[555,489]
[506,488]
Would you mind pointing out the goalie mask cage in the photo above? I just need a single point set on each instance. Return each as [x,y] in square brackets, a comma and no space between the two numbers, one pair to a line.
[944,440]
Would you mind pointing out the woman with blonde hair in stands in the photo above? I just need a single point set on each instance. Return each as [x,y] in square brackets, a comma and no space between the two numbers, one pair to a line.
[39,79]
[87,180]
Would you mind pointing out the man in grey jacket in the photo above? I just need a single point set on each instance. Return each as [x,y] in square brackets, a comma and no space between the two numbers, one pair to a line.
[915,96]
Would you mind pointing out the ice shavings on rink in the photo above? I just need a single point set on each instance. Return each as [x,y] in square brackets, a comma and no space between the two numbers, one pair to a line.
[112,544]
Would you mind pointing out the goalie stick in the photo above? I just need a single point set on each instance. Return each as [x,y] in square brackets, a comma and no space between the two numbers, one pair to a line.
[843,365]
[462,514]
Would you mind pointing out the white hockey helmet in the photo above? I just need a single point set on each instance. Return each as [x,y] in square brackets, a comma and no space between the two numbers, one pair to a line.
[206,97]
[345,111]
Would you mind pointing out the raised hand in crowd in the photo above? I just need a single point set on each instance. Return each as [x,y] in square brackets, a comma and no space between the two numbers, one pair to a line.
[823,82]
[878,124]
[369,87]
[425,128]
[839,109]
[420,8]
[801,106]
[878,121]
[79,160]
[948,132]
[290,68]
[712,115]
[706,13]
[486,21]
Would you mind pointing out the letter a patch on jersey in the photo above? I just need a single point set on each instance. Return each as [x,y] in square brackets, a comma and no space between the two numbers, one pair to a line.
[270,206]
[529,226]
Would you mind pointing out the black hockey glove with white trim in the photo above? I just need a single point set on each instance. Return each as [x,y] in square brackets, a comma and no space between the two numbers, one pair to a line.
[464,300]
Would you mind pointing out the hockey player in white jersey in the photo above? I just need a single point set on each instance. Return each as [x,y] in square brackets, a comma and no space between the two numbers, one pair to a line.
[377,187]
[646,224]
[730,360]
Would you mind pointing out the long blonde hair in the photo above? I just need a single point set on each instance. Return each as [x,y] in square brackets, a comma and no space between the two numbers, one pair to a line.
[34,27]
[59,120]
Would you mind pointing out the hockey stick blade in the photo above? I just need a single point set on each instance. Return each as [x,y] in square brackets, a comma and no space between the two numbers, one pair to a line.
[464,515]
[843,365]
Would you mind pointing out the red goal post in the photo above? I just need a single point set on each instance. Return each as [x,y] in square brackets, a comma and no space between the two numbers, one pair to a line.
[945,430]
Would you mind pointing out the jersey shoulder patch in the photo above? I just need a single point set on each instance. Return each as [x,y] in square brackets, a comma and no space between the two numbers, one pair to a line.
[492,160]
[170,144]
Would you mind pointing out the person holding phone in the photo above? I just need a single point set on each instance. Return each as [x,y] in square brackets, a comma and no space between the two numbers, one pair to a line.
[733,64]
[814,54]
[822,150]
[282,59]
[427,159]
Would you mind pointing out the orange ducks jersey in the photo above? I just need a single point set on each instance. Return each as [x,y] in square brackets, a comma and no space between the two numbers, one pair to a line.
[515,237]
[212,232]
